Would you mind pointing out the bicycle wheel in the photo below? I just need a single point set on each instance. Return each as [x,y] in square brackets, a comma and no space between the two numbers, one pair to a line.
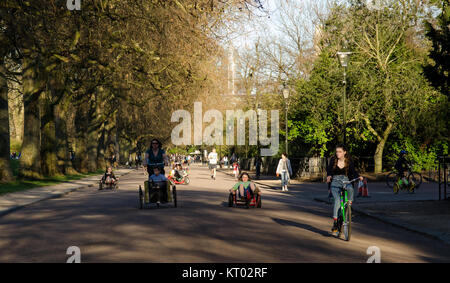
[347,225]
[396,188]
[391,179]
[415,178]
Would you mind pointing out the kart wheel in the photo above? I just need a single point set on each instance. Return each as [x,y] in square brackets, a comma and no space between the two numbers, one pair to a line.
[174,192]
[258,202]
[141,198]
[100,186]
[230,200]
[186,180]
[415,179]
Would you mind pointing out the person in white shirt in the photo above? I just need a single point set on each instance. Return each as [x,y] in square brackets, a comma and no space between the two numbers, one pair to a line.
[212,158]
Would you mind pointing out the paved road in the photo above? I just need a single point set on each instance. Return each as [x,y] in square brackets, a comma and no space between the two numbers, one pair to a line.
[108,227]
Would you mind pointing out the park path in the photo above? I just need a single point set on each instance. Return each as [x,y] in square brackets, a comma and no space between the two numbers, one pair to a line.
[107,226]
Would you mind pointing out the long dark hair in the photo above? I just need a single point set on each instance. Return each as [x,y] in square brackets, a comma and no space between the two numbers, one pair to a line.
[156,140]
[242,174]
[347,158]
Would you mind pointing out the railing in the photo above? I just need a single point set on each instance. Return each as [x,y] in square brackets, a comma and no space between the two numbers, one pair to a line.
[444,161]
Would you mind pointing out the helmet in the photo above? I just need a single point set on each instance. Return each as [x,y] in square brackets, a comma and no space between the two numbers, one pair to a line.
[403,152]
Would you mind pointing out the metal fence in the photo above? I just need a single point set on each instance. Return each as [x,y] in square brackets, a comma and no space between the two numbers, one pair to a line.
[315,167]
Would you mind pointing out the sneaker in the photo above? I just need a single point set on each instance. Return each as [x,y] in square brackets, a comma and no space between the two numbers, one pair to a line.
[335,227]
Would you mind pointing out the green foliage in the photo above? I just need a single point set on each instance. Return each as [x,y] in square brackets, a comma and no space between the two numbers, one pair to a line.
[15,146]
[386,87]
[423,157]
[437,70]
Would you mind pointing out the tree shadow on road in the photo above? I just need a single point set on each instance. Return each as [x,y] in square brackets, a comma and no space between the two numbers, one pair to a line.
[302,226]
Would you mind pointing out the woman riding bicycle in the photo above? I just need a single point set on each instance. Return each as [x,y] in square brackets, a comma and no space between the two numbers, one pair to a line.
[155,156]
[340,169]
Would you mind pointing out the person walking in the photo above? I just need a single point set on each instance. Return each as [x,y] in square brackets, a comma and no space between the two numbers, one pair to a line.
[212,158]
[225,161]
[284,170]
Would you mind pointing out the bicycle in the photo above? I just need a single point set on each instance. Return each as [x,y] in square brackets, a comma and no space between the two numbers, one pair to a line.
[345,212]
[413,177]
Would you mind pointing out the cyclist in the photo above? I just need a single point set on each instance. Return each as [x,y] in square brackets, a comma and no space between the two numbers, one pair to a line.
[245,185]
[341,168]
[155,156]
[212,157]
[401,165]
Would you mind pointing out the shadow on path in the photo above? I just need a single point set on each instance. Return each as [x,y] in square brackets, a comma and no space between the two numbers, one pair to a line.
[301,225]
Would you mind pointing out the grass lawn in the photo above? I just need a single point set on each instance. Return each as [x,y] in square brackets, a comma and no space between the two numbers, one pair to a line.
[22,185]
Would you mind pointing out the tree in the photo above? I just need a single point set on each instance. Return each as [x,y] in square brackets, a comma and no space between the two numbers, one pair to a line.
[438,70]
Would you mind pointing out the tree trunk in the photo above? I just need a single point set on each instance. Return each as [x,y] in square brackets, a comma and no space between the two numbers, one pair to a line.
[92,135]
[62,146]
[48,137]
[101,161]
[81,128]
[378,157]
[30,160]
[6,174]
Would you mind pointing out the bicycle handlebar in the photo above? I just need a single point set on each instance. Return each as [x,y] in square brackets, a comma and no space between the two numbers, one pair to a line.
[349,182]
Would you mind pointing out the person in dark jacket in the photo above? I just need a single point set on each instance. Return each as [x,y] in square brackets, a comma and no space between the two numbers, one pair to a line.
[109,178]
[401,165]
[341,168]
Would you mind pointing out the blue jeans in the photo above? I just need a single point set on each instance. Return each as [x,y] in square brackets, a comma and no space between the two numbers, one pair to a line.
[336,185]
[284,178]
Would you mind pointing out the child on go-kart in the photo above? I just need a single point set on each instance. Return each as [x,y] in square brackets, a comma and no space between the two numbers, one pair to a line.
[179,172]
[157,176]
[245,186]
[109,178]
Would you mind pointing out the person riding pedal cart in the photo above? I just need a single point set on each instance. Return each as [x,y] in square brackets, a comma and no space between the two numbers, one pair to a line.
[109,179]
[155,156]
[244,187]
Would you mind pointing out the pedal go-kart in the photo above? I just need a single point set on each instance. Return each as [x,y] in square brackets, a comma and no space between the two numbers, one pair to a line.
[249,200]
[183,181]
[157,193]
[102,185]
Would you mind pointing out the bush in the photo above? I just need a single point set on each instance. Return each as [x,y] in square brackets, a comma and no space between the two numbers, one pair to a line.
[423,157]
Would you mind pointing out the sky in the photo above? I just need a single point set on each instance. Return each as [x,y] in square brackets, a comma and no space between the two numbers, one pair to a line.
[265,23]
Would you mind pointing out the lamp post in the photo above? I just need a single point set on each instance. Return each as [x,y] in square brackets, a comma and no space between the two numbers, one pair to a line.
[343,60]
[286,96]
